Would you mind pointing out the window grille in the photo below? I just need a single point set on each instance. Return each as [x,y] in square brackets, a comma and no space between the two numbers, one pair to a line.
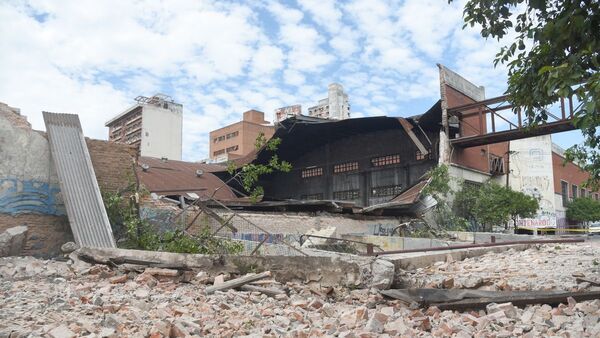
[388,190]
[346,195]
[385,160]
[312,172]
[345,167]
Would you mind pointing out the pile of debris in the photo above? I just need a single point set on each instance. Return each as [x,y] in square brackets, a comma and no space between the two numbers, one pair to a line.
[542,267]
[73,298]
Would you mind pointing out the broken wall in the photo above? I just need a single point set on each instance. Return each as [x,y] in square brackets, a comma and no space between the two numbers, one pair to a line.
[287,226]
[29,191]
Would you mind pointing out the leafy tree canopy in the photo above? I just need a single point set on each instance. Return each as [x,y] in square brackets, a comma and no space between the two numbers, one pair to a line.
[554,54]
[493,204]
[249,174]
[584,210]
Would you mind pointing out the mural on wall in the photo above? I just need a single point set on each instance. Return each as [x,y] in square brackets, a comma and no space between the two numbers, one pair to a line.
[532,174]
[30,196]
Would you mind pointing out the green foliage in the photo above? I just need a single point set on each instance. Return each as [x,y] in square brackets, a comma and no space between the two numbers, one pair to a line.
[139,234]
[439,188]
[555,54]
[583,209]
[249,174]
[493,204]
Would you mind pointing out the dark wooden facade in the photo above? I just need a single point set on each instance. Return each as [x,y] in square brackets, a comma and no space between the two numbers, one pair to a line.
[367,161]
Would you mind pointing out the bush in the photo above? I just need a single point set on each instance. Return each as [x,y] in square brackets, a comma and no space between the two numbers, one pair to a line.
[135,233]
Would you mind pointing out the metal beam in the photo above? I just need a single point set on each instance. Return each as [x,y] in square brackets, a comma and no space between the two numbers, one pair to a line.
[514,134]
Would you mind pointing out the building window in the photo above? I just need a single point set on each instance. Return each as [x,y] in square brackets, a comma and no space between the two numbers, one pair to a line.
[385,160]
[564,189]
[388,190]
[232,148]
[596,197]
[573,191]
[583,193]
[219,152]
[232,135]
[420,157]
[312,172]
[347,195]
[496,164]
[317,196]
[345,167]
[472,185]
[215,140]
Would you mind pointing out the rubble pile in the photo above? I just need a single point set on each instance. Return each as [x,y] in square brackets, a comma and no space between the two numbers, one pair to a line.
[70,299]
[543,267]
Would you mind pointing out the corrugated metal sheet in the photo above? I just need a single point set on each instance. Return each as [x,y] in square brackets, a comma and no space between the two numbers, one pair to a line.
[78,184]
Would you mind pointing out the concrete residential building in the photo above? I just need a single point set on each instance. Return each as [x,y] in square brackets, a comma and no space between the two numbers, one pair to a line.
[334,107]
[238,139]
[287,112]
[154,125]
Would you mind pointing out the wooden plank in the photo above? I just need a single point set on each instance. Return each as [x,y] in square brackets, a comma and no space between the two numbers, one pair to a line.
[266,291]
[162,272]
[518,300]
[236,283]
[593,282]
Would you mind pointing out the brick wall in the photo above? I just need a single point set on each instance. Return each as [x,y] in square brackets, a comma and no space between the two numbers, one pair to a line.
[45,235]
[113,164]
[473,157]
[570,173]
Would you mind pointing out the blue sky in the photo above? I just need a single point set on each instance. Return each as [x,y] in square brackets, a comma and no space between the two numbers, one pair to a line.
[222,58]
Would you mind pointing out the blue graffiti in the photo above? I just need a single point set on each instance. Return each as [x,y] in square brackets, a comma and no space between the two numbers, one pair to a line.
[29,196]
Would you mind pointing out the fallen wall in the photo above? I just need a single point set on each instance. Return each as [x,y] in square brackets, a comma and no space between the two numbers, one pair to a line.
[284,225]
[29,191]
[486,237]
[324,268]
[387,243]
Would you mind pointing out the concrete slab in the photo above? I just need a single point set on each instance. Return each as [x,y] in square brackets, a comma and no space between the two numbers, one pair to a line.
[415,260]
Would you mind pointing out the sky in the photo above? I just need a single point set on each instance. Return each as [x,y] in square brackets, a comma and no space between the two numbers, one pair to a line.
[221,58]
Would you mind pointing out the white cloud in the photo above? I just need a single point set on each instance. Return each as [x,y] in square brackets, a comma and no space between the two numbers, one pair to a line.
[266,60]
[429,24]
[220,58]
[325,13]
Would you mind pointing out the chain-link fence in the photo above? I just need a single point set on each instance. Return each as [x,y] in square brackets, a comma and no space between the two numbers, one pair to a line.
[198,220]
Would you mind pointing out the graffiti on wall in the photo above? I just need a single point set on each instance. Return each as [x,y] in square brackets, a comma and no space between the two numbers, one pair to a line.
[532,174]
[30,196]
[381,229]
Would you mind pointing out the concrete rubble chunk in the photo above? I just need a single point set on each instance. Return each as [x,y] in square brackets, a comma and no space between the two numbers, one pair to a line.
[61,331]
[69,247]
[12,241]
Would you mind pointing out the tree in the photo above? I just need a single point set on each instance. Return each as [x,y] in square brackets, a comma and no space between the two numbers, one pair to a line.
[521,205]
[439,188]
[493,204]
[554,54]
[584,210]
[250,173]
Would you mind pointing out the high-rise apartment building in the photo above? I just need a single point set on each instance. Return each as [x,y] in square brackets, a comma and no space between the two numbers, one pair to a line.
[238,139]
[334,107]
[154,125]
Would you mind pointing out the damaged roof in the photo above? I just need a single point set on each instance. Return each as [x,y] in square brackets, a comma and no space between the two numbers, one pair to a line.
[169,177]
[300,134]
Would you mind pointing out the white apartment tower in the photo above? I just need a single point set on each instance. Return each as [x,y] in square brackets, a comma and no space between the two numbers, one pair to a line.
[154,125]
[335,106]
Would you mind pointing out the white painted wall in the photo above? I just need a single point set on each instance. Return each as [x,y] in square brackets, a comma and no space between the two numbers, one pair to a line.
[161,132]
[532,173]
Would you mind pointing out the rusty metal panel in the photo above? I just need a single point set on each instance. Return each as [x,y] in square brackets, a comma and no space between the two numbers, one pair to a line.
[78,184]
